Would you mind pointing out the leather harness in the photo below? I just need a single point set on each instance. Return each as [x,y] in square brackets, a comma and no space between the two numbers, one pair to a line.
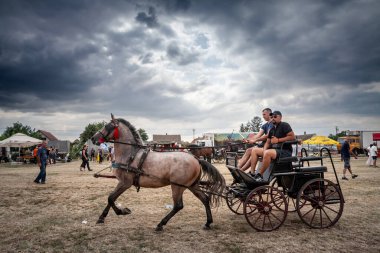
[138,171]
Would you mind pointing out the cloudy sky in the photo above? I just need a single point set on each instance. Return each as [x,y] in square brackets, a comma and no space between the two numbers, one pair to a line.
[173,66]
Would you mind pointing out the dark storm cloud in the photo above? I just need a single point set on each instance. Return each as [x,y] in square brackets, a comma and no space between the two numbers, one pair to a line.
[61,51]
[149,19]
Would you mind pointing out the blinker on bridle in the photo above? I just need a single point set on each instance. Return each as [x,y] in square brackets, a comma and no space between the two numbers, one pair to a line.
[109,128]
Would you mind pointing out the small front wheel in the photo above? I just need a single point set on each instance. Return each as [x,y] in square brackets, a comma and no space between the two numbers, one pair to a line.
[265,208]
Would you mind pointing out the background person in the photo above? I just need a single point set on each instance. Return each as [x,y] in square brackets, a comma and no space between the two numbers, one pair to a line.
[373,153]
[42,159]
[85,159]
[346,155]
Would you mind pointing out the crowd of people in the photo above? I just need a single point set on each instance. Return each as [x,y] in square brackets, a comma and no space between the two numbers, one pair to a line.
[270,145]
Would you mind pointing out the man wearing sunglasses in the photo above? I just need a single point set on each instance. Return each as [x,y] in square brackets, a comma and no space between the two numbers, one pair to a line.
[281,132]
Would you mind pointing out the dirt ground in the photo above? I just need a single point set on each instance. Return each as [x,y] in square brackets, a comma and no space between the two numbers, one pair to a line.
[60,216]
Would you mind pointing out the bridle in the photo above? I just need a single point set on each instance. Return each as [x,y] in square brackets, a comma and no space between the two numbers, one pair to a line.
[115,128]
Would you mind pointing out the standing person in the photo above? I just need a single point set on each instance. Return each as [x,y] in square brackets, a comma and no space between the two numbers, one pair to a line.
[85,159]
[92,154]
[345,153]
[42,158]
[373,153]
[369,161]
[100,153]
[35,150]
[48,155]
[112,153]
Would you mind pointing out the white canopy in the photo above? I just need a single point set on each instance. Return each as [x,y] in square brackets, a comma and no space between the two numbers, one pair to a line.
[19,140]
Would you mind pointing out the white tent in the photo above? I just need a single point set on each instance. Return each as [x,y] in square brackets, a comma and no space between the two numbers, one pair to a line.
[19,140]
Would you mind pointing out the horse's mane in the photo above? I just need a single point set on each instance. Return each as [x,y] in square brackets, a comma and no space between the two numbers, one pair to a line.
[133,130]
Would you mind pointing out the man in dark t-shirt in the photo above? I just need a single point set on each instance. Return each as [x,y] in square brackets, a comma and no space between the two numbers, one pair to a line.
[279,133]
[346,154]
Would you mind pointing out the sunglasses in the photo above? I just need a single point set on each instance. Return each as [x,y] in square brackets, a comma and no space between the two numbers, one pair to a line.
[274,116]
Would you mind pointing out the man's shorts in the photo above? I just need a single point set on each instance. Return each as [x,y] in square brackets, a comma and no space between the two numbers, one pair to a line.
[346,162]
[374,158]
[283,153]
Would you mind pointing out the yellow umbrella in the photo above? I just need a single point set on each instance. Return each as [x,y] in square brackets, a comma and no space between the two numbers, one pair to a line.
[320,140]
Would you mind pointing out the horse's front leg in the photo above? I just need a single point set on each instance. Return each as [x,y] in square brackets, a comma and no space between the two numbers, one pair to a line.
[104,214]
[120,188]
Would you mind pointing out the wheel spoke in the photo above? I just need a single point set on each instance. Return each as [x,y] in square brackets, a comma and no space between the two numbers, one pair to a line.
[328,217]
[270,222]
[275,217]
[254,224]
[263,223]
[307,212]
[320,216]
[331,209]
[311,222]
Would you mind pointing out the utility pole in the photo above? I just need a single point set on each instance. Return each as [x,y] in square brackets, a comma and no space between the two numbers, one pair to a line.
[193,133]
[336,130]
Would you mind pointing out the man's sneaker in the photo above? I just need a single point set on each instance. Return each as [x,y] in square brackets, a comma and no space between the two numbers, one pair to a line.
[344,178]
[43,182]
[354,175]
[251,174]
[36,182]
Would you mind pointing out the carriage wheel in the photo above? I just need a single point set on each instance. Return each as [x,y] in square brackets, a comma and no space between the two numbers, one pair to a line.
[265,208]
[235,204]
[322,203]
[291,201]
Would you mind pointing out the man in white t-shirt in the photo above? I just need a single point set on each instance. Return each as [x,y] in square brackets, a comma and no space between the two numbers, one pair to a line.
[373,153]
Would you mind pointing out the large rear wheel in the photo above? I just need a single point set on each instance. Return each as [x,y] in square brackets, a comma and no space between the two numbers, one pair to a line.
[265,208]
[320,203]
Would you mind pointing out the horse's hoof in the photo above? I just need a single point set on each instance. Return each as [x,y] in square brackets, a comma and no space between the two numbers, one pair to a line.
[206,227]
[159,229]
[100,221]
[125,211]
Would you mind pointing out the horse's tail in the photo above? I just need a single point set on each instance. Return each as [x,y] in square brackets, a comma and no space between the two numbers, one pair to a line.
[212,182]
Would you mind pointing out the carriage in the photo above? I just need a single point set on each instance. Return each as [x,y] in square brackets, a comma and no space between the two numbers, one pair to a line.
[291,185]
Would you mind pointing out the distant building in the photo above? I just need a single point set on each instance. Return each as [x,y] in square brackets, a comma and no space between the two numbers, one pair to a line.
[48,136]
[166,139]
[305,137]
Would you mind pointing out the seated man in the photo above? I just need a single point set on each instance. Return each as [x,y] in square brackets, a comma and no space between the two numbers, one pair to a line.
[281,132]
[245,161]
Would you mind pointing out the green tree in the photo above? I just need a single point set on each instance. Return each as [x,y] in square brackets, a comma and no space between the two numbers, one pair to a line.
[20,128]
[252,125]
[143,134]
[335,137]
[88,132]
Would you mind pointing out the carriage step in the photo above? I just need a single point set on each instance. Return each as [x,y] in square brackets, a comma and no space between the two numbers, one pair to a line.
[311,158]
[288,159]
[312,169]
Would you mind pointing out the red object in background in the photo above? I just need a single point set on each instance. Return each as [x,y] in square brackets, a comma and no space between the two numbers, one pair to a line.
[376,136]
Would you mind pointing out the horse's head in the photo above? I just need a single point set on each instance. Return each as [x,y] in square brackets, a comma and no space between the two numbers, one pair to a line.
[108,132]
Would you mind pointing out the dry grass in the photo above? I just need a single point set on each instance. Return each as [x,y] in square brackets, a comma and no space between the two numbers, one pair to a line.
[48,218]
